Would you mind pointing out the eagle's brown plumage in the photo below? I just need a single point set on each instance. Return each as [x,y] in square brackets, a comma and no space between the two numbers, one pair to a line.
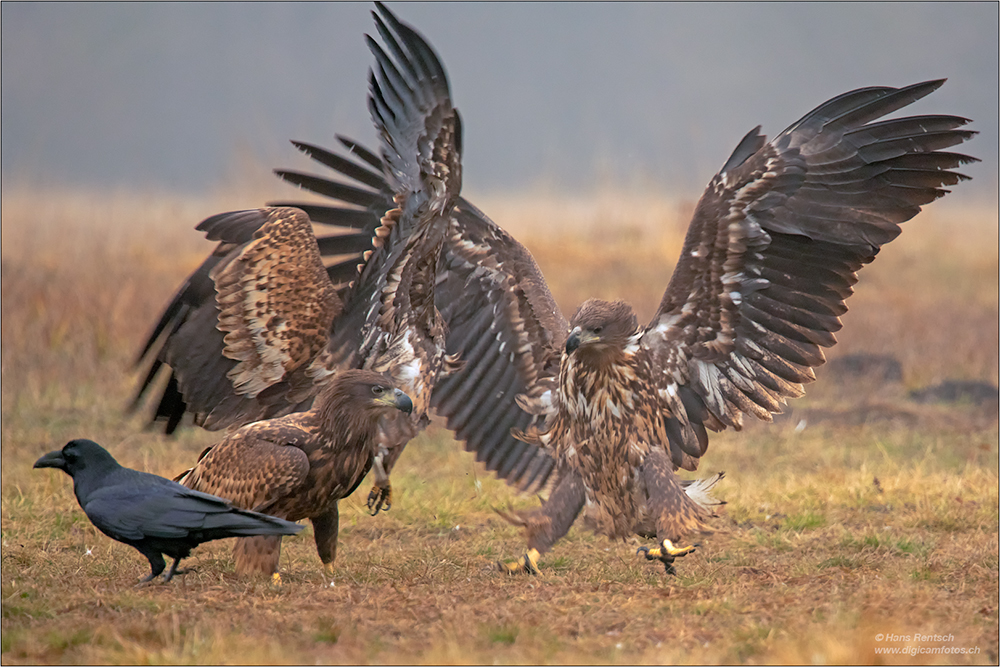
[299,466]
[770,257]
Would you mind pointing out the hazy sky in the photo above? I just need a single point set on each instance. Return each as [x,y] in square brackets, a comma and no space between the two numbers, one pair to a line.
[560,96]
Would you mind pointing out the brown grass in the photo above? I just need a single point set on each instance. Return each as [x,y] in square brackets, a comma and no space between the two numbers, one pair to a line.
[833,534]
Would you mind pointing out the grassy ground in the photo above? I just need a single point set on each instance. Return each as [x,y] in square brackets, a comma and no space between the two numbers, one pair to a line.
[863,522]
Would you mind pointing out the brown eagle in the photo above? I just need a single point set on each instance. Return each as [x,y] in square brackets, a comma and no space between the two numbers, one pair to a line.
[263,323]
[770,257]
[768,262]
[300,465]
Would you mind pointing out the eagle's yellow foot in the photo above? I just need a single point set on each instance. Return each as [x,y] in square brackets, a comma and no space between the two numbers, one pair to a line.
[666,553]
[526,564]
[328,572]
[380,498]
[276,579]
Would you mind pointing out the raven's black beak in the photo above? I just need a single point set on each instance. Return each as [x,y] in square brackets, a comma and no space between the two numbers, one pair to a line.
[403,402]
[51,460]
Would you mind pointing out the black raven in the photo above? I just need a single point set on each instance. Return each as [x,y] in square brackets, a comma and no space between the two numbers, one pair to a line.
[152,513]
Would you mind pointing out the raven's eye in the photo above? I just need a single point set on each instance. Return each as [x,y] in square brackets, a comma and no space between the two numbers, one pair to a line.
[377,390]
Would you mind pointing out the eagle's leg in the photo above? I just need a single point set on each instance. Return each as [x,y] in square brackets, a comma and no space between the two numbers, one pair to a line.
[393,437]
[380,497]
[666,553]
[326,528]
[674,511]
[547,524]
[259,553]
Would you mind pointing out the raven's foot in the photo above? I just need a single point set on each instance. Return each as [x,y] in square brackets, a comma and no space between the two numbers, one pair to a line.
[170,575]
[380,498]
[666,553]
[526,564]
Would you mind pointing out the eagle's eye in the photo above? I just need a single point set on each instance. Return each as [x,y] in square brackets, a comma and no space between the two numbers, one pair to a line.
[378,390]
[598,329]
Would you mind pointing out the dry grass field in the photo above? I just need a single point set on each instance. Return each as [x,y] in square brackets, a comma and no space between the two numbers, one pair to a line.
[862,522]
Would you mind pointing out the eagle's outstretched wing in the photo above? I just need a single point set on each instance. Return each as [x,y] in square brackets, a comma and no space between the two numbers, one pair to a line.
[773,251]
[187,335]
[502,321]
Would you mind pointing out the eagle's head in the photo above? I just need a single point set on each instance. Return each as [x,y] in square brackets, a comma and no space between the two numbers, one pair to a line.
[361,395]
[600,326]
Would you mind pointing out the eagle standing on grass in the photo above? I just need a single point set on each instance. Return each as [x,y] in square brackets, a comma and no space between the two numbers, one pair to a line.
[299,466]
[278,307]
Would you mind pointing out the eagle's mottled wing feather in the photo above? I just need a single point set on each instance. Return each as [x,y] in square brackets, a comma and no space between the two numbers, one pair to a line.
[276,303]
[187,339]
[252,467]
[773,252]
[411,108]
[506,328]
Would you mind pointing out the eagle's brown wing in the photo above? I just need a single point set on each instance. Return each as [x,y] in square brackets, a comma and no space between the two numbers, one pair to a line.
[186,335]
[250,354]
[253,467]
[773,251]
[503,322]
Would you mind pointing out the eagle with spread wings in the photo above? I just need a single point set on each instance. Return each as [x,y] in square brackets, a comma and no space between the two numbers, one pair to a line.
[770,257]
[263,323]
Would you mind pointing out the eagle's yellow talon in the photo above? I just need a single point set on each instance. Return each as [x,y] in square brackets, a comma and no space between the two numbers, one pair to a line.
[526,564]
[276,579]
[666,553]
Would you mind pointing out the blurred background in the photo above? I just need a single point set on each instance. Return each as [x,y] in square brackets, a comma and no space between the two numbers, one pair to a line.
[557,98]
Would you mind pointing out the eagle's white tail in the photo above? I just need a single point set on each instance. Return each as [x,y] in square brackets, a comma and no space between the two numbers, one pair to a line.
[698,491]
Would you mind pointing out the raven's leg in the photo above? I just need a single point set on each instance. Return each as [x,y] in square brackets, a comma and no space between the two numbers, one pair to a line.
[173,569]
[156,565]
[325,529]
[257,554]
[547,524]
[675,512]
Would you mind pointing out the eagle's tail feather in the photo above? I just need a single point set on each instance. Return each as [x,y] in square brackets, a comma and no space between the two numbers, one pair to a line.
[698,491]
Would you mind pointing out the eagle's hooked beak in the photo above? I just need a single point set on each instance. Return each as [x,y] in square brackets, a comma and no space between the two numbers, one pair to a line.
[398,400]
[578,337]
[51,460]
